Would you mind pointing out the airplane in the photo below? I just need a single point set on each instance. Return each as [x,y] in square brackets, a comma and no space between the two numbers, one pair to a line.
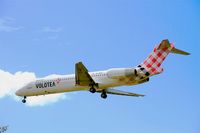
[103,81]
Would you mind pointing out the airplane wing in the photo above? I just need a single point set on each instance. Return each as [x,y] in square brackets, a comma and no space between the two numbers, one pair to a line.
[82,76]
[119,92]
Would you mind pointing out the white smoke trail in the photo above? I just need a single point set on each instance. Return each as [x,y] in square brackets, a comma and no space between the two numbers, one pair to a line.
[9,83]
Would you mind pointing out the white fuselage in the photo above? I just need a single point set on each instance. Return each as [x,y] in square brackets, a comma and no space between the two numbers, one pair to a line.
[66,83]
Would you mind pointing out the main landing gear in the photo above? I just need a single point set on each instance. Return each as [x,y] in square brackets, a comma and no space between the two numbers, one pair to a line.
[24,100]
[92,89]
[104,94]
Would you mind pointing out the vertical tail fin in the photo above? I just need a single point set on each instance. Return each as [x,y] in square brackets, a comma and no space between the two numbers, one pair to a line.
[153,62]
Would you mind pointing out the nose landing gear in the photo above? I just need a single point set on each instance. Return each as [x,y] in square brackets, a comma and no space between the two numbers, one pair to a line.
[24,100]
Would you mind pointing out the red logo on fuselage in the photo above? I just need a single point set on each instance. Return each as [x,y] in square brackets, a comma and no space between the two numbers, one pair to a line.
[58,80]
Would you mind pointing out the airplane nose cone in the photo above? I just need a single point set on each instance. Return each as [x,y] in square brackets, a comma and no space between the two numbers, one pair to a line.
[19,92]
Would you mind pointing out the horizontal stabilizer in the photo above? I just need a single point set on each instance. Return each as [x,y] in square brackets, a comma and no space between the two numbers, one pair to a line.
[123,93]
[177,51]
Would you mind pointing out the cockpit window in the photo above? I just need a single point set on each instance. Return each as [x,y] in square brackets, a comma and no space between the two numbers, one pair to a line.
[29,87]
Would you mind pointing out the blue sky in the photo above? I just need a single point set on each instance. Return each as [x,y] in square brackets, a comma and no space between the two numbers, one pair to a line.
[49,37]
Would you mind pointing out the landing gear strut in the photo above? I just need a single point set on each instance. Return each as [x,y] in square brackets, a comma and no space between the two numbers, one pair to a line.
[103,94]
[93,87]
[24,100]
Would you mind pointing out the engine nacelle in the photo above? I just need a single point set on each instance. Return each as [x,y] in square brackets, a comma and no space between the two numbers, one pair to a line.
[116,73]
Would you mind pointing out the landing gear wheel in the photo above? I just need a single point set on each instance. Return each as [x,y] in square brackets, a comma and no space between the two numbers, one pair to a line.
[24,100]
[92,90]
[103,95]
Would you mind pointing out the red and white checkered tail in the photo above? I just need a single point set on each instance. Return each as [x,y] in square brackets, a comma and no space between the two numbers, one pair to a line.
[153,62]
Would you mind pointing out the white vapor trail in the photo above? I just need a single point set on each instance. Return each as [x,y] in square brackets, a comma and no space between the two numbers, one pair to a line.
[9,83]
